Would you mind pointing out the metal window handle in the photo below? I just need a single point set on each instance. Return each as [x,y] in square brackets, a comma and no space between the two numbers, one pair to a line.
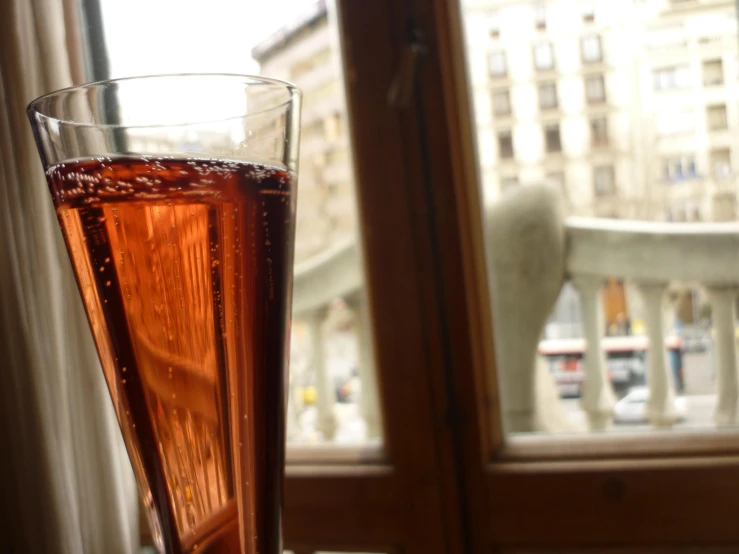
[401,88]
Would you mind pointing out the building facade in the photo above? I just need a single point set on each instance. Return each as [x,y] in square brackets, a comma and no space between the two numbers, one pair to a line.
[625,106]
[306,53]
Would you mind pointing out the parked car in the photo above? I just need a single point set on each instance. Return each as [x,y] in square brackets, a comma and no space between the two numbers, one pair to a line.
[632,408]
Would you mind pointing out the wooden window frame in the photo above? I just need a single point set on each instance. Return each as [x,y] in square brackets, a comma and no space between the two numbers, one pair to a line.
[448,479]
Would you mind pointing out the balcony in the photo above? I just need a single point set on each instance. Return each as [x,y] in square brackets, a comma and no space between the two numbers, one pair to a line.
[534,250]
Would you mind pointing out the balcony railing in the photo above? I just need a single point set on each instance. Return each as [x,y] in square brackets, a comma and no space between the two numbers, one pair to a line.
[534,250]
[319,282]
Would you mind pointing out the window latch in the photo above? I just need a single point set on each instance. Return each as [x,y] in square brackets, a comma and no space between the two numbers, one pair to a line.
[401,88]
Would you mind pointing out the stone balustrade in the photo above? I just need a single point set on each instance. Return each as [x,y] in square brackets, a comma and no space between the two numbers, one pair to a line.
[652,256]
[530,261]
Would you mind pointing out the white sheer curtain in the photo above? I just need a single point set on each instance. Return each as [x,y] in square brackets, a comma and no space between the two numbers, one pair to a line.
[65,482]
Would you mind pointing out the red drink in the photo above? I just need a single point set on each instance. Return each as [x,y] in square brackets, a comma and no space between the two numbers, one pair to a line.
[184,269]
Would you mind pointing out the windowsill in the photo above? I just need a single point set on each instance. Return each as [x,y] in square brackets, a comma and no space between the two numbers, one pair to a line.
[649,445]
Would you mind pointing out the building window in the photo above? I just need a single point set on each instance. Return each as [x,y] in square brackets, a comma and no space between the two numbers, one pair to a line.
[591,51]
[543,56]
[587,9]
[604,180]
[508,183]
[552,138]
[599,131]
[595,89]
[713,72]
[540,16]
[497,64]
[716,116]
[494,23]
[547,96]
[669,78]
[501,102]
[679,168]
[505,144]
[721,163]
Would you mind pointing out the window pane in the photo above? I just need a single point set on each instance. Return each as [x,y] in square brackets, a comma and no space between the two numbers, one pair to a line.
[543,56]
[713,72]
[333,396]
[716,116]
[599,131]
[595,90]
[591,49]
[547,96]
[587,9]
[505,144]
[494,23]
[540,16]
[553,143]
[497,64]
[501,102]
[632,123]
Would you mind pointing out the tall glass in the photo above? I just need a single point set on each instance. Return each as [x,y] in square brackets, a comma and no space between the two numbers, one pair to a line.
[176,199]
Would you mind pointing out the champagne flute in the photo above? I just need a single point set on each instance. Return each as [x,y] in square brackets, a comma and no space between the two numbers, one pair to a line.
[176,198]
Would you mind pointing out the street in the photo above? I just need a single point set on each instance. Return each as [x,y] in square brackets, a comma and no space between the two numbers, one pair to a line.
[700,398]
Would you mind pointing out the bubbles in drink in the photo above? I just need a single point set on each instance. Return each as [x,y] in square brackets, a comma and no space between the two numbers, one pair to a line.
[184,310]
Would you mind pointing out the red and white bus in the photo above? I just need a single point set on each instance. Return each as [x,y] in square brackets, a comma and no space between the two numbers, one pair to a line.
[625,357]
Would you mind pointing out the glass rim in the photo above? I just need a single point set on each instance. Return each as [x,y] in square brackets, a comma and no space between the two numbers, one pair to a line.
[293,91]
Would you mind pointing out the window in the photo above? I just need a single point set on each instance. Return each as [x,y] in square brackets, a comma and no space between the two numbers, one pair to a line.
[505,144]
[552,139]
[679,168]
[547,96]
[604,183]
[713,72]
[595,89]
[721,164]
[543,56]
[501,102]
[590,48]
[497,64]
[716,116]
[669,78]
[599,131]
[587,9]
[540,16]
[494,23]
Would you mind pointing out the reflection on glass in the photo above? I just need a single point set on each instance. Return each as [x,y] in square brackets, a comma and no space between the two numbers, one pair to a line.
[332,391]
[607,165]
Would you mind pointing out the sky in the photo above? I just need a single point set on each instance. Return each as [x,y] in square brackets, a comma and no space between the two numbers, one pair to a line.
[148,37]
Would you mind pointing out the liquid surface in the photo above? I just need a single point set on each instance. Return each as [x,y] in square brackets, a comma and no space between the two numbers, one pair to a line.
[183,266]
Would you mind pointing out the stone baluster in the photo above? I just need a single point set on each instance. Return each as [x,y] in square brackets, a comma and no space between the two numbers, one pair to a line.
[722,312]
[369,405]
[294,402]
[597,397]
[326,396]
[660,409]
